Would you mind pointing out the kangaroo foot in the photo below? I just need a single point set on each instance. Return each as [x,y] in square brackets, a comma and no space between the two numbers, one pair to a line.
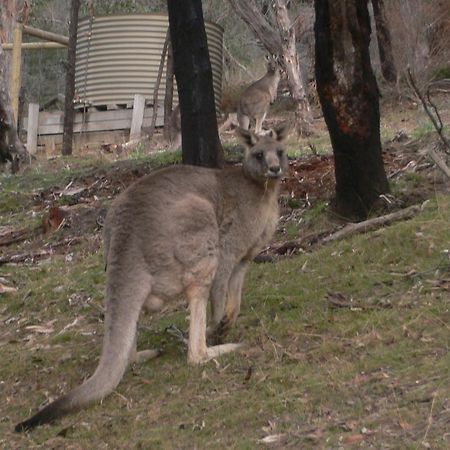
[215,335]
[212,352]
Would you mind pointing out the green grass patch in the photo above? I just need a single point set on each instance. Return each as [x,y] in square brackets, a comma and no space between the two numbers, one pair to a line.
[312,372]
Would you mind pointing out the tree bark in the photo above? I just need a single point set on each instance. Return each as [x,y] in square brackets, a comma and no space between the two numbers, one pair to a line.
[349,97]
[11,147]
[388,69]
[279,40]
[200,137]
[70,79]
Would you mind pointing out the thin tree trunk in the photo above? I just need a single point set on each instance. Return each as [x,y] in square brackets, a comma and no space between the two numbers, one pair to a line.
[294,76]
[168,97]
[70,79]
[156,87]
[200,137]
[349,96]
[388,69]
[11,147]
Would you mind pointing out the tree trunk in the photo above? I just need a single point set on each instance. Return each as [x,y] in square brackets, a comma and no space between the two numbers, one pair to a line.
[388,69]
[156,87]
[11,147]
[349,96]
[70,79]
[168,97]
[200,137]
[290,62]
[279,41]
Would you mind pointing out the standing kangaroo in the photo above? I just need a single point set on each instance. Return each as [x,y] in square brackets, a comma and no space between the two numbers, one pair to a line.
[257,98]
[182,229]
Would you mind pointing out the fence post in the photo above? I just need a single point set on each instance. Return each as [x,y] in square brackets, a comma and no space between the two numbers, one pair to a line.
[138,116]
[32,127]
[15,68]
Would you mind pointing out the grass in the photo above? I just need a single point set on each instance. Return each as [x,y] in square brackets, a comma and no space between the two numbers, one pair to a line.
[374,372]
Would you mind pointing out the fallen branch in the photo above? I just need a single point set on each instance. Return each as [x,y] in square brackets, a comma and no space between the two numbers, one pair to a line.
[21,257]
[10,236]
[302,243]
[372,224]
[324,237]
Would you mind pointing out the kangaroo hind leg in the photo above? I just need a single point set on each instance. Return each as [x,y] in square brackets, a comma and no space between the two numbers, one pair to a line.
[198,351]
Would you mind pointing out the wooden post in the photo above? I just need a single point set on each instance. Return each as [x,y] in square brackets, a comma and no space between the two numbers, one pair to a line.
[15,69]
[34,45]
[32,127]
[69,111]
[137,117]
[41,34]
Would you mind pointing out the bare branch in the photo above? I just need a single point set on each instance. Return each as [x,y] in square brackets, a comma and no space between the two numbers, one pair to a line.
[252,16]
[237,63]
[438,128]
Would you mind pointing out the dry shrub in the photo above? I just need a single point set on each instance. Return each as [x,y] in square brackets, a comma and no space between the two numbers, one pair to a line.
[420,33]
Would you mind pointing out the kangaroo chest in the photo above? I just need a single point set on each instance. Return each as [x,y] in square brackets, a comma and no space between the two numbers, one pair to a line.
[246,230]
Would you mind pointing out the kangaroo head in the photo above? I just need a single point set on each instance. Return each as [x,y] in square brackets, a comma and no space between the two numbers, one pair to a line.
[264,158]
[273,66]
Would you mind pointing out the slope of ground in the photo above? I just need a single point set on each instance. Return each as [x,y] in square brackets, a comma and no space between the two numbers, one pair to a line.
[346,344]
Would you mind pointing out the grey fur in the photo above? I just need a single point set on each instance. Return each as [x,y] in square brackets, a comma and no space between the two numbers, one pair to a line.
[257,98]
[181,230]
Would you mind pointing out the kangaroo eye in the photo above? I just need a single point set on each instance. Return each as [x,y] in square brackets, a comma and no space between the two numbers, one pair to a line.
[280,152]
[259,156]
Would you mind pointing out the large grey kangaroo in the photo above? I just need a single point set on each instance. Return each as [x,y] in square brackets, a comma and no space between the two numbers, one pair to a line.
[182,229]
[257,98]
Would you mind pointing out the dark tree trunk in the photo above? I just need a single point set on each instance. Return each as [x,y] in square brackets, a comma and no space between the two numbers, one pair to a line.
[349,96]
[200,137]
[70,79]
[388,69]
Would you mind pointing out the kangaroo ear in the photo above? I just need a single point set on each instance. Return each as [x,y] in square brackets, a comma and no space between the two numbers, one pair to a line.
[247,137]
[281,131]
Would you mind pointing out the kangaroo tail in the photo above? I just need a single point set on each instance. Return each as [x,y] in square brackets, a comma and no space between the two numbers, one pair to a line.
[118,342]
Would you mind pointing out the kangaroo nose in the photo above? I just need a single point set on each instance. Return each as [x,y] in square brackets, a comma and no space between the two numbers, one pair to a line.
[275,170]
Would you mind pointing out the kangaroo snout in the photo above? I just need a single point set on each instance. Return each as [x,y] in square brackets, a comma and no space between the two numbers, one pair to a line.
[274,171]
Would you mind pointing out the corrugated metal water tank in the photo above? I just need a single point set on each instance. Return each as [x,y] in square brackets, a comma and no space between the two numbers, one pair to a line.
[123,54]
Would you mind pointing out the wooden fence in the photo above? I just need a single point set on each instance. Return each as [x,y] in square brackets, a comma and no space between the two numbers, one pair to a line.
[41,126]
